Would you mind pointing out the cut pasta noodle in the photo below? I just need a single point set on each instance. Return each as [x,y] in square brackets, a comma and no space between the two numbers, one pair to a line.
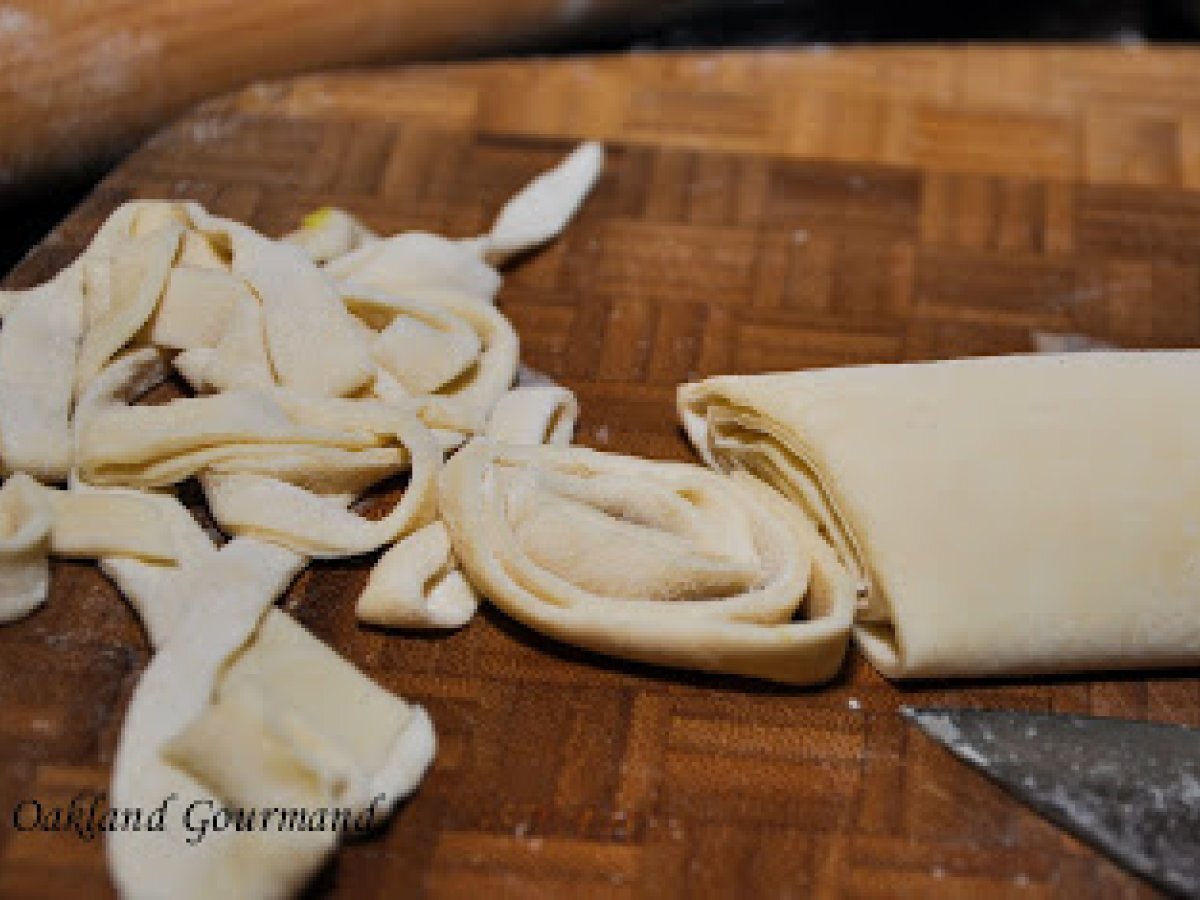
[242,708]
[416,584]
[322,366]
[535,415]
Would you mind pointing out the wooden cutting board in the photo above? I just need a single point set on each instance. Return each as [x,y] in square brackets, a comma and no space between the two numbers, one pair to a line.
[759,211]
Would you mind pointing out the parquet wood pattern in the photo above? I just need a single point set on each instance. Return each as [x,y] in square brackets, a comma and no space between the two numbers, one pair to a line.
[758,212]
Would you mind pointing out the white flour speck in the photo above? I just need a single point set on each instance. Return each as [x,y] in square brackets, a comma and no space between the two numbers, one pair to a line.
[14,20]
[112,64]
[206,130]
[1189,789]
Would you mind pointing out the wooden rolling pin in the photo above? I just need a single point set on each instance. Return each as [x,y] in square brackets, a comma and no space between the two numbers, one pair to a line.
[82,83]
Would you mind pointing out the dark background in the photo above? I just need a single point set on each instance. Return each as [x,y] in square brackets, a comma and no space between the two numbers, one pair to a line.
[28,216]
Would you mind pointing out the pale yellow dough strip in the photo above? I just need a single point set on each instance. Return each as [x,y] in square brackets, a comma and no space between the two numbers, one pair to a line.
[245,709]
[139,273]
[38,348]
[422,266]
[155,590]
[413,264]
[312,341]
[416,584]
[275,510]
[542,209]
[164,444]
[82,522]
[467,397]
[545,414]
[58,335]
[238,357]
[25,522]
[195,306]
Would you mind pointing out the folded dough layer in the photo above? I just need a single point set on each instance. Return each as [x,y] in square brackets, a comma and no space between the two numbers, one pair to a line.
[1007,515]
[243,709]
[664,563]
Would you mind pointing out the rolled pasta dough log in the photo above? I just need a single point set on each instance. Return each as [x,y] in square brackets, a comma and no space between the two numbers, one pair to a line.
[1008,515]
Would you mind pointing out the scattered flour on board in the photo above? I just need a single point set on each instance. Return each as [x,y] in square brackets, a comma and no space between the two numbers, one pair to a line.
[14,21]
[205,131]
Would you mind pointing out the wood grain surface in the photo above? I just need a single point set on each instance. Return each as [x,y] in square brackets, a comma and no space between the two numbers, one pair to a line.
[761,211]
[83,82]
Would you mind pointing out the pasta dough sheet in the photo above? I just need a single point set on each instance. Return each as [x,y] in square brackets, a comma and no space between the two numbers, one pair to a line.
[1006,515]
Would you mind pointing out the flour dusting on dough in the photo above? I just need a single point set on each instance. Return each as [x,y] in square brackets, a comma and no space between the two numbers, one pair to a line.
[114,62]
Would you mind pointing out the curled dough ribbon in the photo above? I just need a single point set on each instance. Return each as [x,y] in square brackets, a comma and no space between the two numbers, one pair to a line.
[415,585]
[425,266]
[312,341]
[544,414]
[25,519]
[270,508]
[157,445]
[38,346]
[659,562]
[458,354]
[83,522]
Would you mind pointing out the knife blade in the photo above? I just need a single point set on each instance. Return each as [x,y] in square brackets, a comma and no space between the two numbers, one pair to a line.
[1130,789]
